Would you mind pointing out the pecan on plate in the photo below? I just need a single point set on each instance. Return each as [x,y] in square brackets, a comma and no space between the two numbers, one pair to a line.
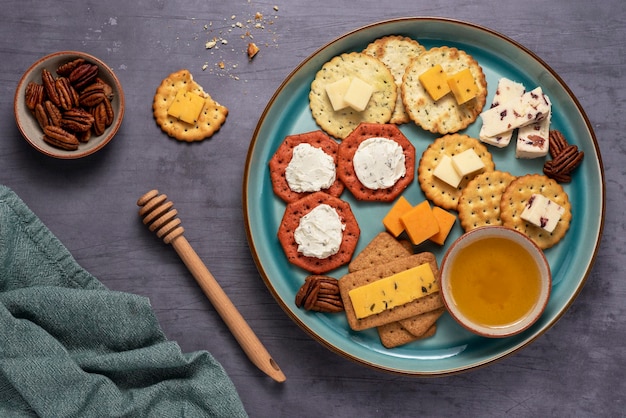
[83,75]
[565,158]
[77,120]
[60,138]
[68,98]
[33,95]
[92,95]
[321,294]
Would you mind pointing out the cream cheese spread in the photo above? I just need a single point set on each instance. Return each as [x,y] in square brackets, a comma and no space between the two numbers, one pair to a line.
[379,163]
[320,232]
[310,169]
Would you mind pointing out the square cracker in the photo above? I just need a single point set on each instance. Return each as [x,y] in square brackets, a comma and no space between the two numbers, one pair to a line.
[369,275]
[209,121]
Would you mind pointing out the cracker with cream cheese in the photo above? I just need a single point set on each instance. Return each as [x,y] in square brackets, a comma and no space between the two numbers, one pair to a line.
[291,220]
[280,161]
[346,170]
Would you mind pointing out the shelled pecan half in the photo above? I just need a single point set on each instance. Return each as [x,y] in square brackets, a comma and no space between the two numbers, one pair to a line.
[321,294]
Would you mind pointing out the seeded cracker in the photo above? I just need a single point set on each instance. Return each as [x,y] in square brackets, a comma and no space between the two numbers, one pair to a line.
[281,158]
[211,118]
[439,192]
[396,53]
[479,204]
[370,70]
[514,200]
[291,219]
[445,115]
[408,310]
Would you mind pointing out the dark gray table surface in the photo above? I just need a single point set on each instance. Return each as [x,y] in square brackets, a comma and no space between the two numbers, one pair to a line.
[574,369]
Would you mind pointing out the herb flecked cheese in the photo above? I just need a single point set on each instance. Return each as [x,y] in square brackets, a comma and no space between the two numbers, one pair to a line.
[392,291]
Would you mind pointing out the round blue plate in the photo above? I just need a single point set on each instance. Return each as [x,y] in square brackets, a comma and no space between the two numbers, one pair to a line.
[452,349]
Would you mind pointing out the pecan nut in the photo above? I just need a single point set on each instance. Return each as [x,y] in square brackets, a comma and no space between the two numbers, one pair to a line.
[49,86]
[60,138]
[47,114]
[66,69]
[321,294]
[83,75]
[565,158]
[68,98]
[92,95]
[77,120]
[34,95]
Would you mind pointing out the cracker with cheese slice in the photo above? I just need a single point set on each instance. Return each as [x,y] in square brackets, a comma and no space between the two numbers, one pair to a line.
[373,72]
[184,111]
[445,115]
[396,52]
[364,277]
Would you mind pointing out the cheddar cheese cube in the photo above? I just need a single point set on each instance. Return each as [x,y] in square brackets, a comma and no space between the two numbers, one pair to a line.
[435,82]
[391,221]
[420,223]
[186,106]
[445,220]
[463,86]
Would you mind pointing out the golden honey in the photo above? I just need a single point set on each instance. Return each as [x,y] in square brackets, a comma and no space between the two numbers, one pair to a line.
[494,282]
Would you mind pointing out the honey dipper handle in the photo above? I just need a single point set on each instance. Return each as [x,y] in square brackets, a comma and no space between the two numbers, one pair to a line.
[238,326]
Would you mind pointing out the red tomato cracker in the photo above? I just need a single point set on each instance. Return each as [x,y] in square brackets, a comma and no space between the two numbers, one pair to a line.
[281,158]
[291,220]
[348,148]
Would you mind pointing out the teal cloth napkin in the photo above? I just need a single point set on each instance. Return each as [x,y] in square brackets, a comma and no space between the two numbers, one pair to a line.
[70,347]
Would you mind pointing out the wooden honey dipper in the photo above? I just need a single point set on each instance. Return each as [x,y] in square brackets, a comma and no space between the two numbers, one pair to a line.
[159,215]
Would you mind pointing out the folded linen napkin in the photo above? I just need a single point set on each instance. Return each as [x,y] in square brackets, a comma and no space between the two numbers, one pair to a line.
[70,347]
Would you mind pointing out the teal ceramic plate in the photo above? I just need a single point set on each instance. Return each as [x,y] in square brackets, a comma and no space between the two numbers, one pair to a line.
[452,349]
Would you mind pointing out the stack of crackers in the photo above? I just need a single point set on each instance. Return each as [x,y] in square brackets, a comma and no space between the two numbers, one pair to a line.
[385,256]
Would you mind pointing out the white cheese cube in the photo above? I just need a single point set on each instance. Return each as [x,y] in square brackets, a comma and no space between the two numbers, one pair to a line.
[506,91]
[530,108]
[358,94]
[446,172]
[336,91]
[533,140]
[467,162]
[542,212]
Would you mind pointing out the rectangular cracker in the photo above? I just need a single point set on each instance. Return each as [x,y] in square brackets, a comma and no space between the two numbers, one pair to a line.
[363,277]
[382,249]
[394,335]
[419,324]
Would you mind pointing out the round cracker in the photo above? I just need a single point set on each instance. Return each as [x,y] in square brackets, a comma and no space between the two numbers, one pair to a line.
[371,70]
[283,155]
[291,219]
[514,201]
[444,115]
[210,120]
[479,204]
[396,52]
[349,146]
[440,192]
